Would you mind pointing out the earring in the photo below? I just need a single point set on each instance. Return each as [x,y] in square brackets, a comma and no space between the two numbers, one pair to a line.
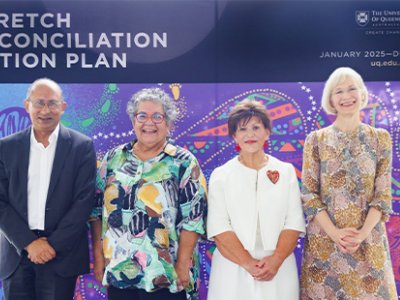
[265,145]
[237,148]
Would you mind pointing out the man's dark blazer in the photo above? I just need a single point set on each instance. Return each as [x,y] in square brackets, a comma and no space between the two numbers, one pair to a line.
[69,201]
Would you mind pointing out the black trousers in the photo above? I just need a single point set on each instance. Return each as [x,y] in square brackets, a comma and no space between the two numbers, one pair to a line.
[138,294]
[37,282]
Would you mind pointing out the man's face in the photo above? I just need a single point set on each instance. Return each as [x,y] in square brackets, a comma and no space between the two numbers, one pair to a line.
[45,108]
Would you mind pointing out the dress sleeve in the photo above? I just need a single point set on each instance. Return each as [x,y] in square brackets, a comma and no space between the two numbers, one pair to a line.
[310,194]
[101,181]
[193,199]
[294,217]
[383,195]
[218,220]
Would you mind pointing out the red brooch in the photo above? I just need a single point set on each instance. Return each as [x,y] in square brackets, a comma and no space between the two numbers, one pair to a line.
[273,176]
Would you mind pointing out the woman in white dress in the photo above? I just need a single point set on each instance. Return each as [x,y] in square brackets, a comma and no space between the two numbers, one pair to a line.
[255,216]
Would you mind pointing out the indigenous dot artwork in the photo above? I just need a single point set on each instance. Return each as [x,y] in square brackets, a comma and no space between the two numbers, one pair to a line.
[98,110]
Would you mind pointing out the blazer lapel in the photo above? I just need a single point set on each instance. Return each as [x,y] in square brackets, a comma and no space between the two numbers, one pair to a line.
[23,166]
[62,150]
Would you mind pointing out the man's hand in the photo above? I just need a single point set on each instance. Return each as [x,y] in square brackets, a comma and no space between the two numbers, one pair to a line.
[40,251]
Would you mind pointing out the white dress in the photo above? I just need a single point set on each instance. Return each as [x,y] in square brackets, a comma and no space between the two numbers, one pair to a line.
[229,281]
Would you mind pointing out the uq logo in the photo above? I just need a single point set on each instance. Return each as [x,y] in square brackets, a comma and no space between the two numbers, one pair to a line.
[362,17]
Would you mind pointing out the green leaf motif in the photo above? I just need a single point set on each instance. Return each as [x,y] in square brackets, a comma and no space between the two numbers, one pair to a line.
[106,106]
[87,122]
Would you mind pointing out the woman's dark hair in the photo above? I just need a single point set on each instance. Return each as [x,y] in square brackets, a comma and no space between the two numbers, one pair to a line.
[244,111]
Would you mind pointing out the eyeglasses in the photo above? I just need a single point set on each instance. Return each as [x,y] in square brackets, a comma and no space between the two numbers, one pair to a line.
[51,104]
[156,118]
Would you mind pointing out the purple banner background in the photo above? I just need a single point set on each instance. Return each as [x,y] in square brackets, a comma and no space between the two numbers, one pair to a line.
[98,110]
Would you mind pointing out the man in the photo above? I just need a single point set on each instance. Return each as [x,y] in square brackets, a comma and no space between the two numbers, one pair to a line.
[47,186]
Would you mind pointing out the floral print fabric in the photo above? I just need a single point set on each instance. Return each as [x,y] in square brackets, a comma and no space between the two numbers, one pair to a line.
[346,174]
[144,205]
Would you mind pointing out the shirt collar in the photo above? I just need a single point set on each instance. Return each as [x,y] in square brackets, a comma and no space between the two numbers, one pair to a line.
[52,138]
[169,149]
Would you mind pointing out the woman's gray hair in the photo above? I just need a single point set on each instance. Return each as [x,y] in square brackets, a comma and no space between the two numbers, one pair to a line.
[337,77]
[155,95]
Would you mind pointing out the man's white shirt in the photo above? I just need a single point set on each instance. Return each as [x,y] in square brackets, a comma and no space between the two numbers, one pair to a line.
[39,172]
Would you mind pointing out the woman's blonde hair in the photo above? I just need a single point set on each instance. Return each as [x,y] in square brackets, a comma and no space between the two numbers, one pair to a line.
[337,77]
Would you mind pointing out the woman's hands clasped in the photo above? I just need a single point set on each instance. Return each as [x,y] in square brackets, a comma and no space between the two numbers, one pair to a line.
[348,240]
[264,269]
[268,267]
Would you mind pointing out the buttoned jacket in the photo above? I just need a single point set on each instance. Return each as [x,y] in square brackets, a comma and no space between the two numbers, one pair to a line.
[240,197]
[69,201]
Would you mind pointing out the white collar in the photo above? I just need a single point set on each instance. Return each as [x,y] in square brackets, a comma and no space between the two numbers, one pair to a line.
[52,138]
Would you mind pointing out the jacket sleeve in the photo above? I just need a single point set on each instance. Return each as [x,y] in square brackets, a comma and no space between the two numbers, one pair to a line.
[218,220]
[69,228]
[12,224]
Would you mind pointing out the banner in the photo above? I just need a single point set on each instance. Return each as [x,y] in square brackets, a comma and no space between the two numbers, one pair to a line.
[197,41]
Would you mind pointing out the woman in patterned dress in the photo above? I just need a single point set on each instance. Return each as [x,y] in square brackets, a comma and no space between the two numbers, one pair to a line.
[346,197]
[151,209]
[255,216]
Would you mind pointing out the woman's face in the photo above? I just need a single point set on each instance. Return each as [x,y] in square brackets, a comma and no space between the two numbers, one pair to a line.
[150,125]
[346,97]
[251,136]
